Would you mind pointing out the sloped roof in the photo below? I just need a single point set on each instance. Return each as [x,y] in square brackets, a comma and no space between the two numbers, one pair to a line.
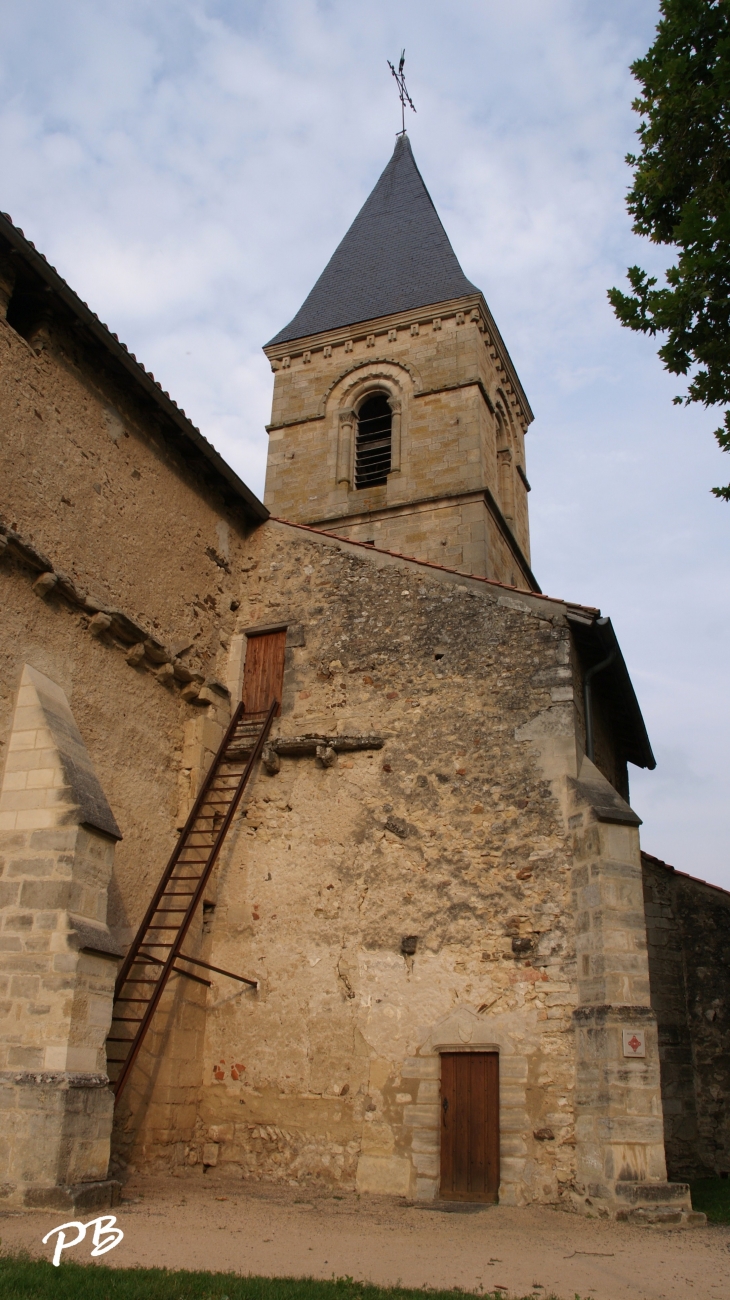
[594,636]
[42,273]
[395,256]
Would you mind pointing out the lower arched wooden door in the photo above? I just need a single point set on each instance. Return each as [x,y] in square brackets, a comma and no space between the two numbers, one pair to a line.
[470,1126]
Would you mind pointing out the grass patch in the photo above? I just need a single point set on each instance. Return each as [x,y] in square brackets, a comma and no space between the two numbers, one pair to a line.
[712,1197]
[22,1278]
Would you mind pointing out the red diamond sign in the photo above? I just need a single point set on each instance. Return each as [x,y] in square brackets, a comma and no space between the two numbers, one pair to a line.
[634,1042]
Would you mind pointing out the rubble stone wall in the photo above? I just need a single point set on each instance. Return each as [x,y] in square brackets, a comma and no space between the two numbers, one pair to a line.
[401,901]
[687,926]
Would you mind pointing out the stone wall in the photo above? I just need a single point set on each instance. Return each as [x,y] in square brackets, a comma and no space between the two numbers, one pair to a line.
[57,957]
[425,885]
[446,378]
[130,628]
[687,926]
[89,476]
[466,533]
[449,837]
[116,562]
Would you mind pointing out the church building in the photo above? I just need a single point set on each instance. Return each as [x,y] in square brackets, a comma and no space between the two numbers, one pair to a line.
[317,860]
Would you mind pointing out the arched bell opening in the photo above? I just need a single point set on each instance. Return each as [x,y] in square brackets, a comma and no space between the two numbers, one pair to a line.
[373,441]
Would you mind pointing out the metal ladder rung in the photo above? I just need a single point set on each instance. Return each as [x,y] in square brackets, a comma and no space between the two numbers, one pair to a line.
[231,769]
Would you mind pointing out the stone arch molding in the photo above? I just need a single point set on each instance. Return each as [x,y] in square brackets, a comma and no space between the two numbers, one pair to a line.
[463,1029]
[373,368]
[396,378]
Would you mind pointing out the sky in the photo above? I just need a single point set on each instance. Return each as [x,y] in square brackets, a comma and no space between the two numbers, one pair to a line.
[190,166]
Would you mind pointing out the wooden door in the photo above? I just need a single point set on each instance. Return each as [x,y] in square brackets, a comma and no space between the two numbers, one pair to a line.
[263,673]
[470,1126]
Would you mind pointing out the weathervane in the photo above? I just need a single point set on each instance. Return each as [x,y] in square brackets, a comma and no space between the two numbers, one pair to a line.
[402,92]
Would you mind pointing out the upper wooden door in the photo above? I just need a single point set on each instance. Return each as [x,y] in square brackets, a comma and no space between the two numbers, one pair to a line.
[470,1126]
[263,672]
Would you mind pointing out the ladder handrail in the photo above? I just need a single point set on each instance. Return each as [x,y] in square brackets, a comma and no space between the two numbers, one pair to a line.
[172,861]
[174,953]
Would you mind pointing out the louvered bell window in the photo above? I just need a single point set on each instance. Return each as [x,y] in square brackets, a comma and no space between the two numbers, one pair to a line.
[372,449]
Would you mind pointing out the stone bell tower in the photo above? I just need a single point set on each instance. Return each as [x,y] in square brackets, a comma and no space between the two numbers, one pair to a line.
[398,417]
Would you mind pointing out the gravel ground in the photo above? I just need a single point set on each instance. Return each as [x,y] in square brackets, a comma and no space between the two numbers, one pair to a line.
[218,1224]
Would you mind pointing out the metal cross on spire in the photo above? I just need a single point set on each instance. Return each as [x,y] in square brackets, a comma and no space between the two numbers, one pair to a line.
[402,92]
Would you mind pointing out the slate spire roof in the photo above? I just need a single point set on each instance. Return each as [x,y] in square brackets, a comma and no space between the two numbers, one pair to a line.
[395,256]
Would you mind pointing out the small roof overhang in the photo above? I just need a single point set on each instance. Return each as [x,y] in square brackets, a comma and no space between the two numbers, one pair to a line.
[595,639]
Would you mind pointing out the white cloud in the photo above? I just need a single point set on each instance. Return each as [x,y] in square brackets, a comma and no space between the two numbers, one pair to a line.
[190,167]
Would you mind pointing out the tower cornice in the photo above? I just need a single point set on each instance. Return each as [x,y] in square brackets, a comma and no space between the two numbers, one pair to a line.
[471,308]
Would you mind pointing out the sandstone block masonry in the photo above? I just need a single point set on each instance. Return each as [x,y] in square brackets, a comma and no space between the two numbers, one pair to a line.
[57,957]
[457,492]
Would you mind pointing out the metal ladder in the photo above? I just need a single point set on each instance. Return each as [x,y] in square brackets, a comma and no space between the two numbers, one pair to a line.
[157,947]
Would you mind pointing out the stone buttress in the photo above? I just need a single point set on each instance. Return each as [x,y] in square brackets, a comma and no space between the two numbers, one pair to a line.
[57,959]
